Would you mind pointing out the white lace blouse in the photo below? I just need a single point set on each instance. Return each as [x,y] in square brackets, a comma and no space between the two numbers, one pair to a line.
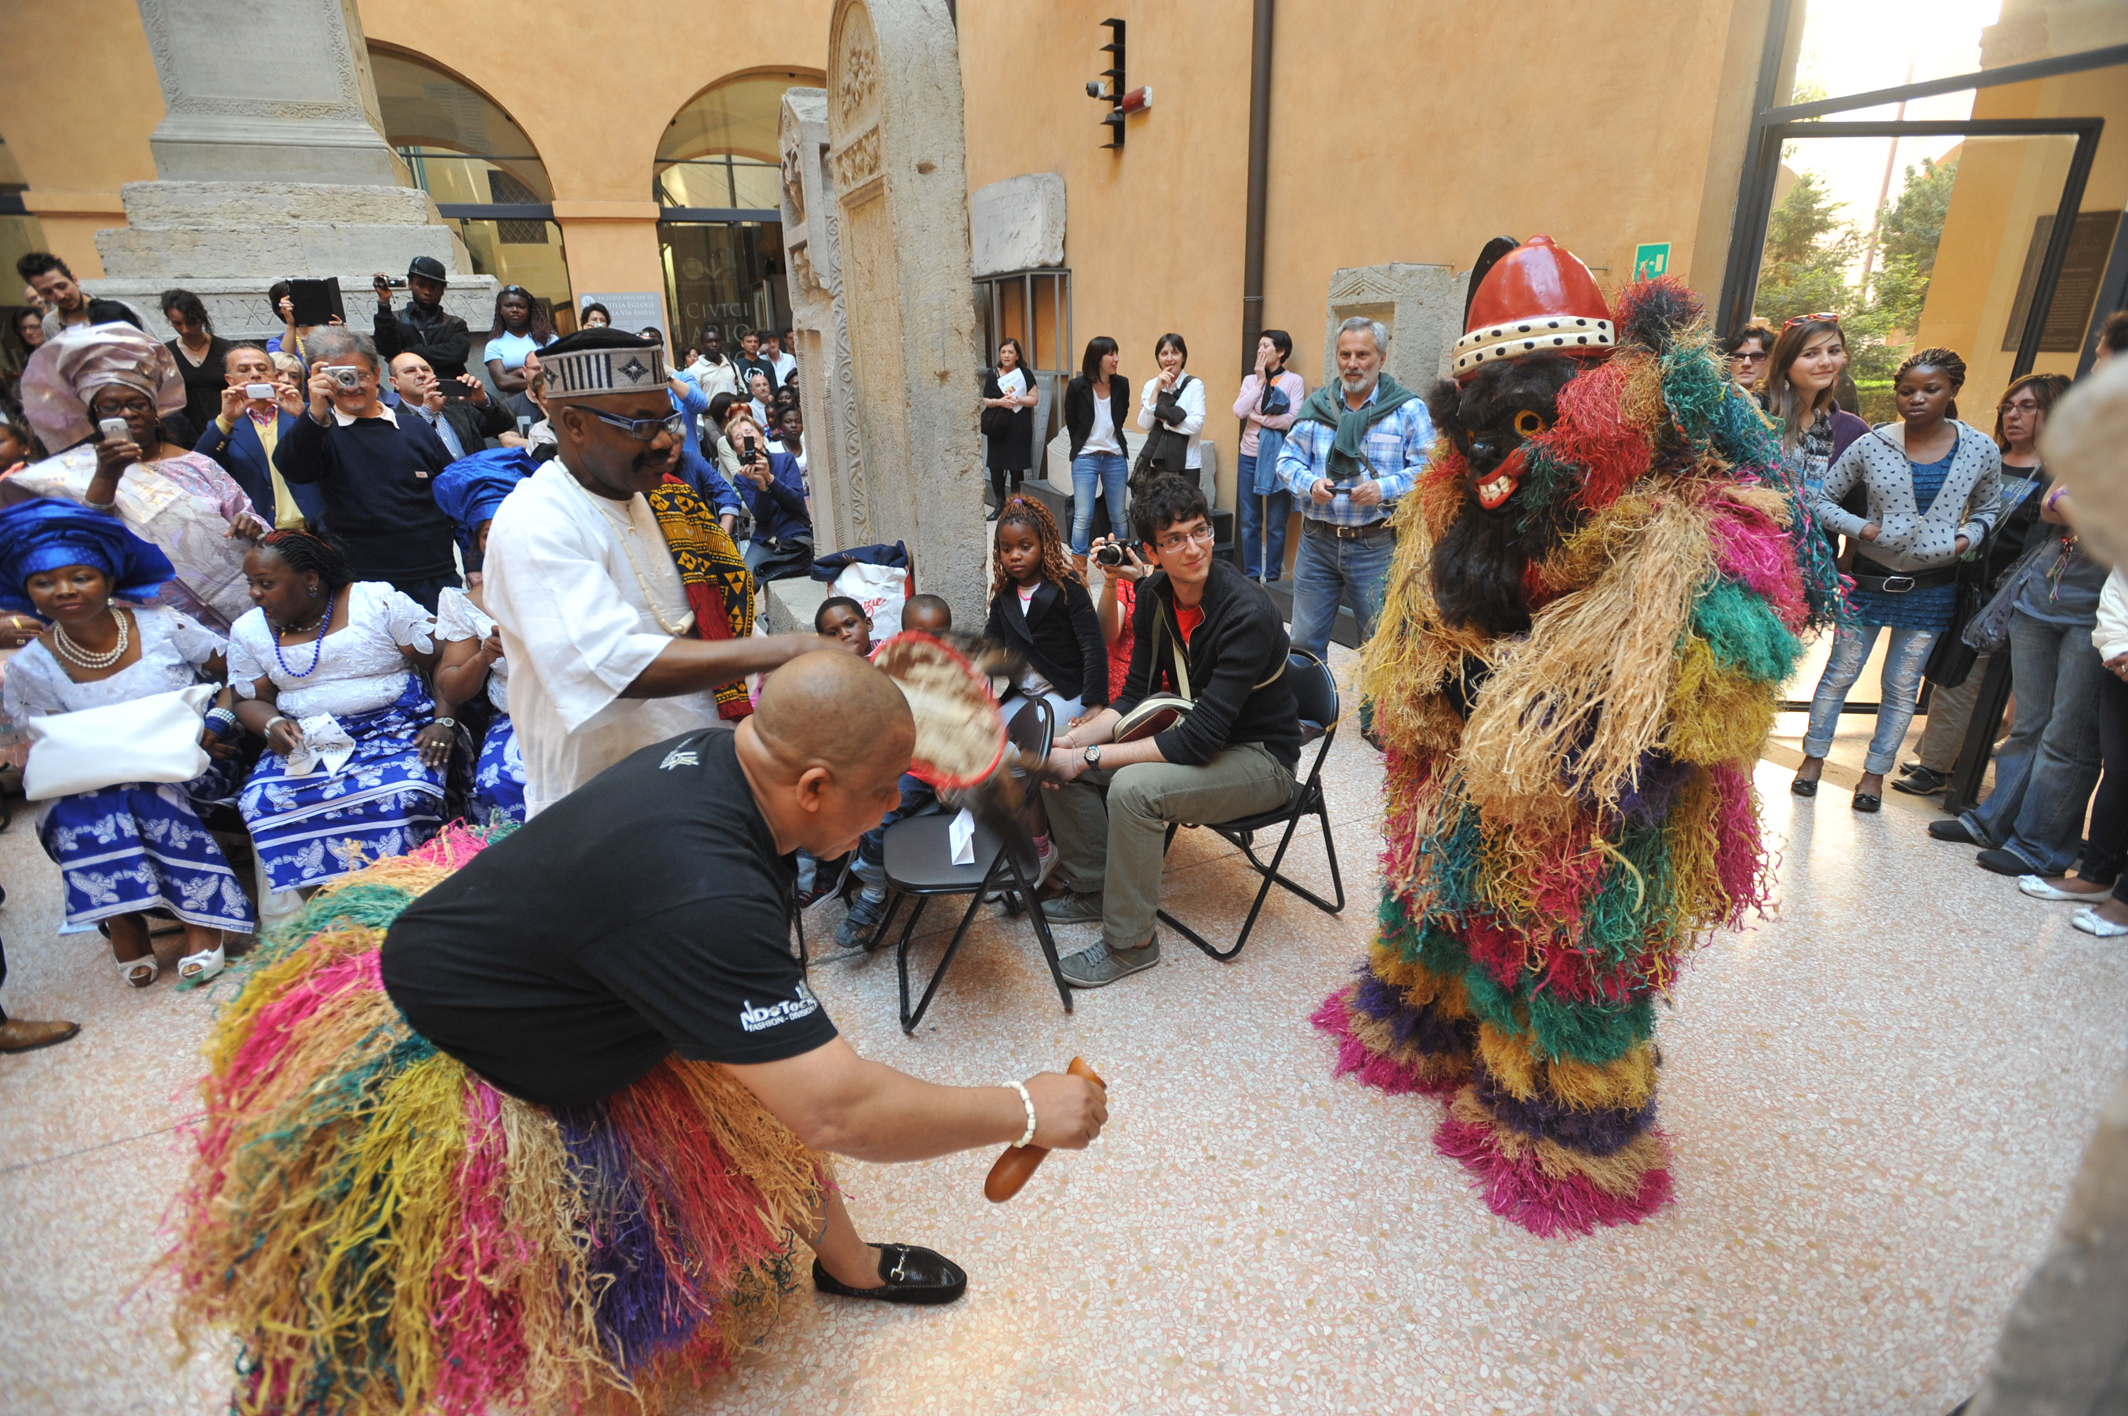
[173,651]
[359,669]
[457,617]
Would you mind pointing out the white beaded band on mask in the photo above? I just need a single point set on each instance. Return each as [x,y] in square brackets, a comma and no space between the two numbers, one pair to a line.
[1028,1102]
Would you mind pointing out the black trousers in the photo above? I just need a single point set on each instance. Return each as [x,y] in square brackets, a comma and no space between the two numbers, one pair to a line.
[2106,847]
[1004,481]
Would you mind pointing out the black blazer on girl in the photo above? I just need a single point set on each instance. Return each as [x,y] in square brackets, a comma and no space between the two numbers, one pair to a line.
[1059,634]
[1079,412]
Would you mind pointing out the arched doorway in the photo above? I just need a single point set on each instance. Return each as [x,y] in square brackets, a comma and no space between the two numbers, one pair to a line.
[481,170]
[720,231]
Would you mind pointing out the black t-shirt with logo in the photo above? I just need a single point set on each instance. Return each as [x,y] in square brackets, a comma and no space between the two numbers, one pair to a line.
[647,912]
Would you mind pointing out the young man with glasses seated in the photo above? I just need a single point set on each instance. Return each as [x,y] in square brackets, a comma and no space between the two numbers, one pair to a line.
[1207,633]
[596,566]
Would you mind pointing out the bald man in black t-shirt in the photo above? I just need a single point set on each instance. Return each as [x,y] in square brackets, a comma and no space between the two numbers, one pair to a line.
[648,912]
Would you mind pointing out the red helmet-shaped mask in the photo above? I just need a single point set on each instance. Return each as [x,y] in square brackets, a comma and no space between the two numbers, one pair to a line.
[1537,299]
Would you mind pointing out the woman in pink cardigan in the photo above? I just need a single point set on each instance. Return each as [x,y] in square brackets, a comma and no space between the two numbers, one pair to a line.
[1269,399]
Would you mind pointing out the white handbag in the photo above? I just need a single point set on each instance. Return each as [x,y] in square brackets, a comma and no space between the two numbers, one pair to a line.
[152,739]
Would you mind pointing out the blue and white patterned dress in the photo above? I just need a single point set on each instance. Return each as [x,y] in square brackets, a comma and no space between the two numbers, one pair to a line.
[499,773]
[139,845]
[384,800]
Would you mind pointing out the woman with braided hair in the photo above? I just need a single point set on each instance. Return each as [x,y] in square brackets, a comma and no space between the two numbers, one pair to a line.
[1930,485]
[323,670]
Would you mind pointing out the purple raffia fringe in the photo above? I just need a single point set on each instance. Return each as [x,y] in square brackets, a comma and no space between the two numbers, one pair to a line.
[1421,1027]
[1591,1132]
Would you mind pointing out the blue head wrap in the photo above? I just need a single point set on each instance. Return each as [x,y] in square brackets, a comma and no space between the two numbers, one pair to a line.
[471,488]
[47,534]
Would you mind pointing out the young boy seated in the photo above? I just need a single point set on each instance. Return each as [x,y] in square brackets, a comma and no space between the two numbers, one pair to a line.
[843,620]
[930,615]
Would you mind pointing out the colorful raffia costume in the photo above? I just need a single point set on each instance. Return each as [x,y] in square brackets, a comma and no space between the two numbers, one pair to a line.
[1596,595]
[384,1231]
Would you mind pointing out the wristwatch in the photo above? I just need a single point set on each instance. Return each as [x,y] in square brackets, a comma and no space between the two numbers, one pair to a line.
[1092,755]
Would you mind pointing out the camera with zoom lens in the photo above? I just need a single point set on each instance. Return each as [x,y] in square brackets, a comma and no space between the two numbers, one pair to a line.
[1111,554]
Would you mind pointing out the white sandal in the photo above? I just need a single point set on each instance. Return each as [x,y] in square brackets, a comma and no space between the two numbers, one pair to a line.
[198,968]
[126,967]
[2092,922]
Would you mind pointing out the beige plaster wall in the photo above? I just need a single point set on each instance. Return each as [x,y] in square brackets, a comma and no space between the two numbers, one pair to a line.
[1400,132]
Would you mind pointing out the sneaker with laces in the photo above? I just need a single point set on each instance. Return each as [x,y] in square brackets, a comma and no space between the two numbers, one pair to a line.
[1072,907]
[1100,966]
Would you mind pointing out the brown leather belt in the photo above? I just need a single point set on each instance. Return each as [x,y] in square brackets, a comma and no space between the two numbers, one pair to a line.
[1346,533]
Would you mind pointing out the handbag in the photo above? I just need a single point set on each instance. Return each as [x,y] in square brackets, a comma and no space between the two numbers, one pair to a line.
[1164,451]
[1951,658]
[997,422]
[1989,632]
[152,739]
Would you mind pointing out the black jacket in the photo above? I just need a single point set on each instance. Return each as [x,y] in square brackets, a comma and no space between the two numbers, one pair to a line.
[1079,411]
[1059,634]
[1241,644]
[475,423]
[432,332]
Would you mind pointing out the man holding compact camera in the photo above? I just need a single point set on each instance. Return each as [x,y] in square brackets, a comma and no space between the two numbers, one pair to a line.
[377,468]
[257,412]
[459,409]
[423,327]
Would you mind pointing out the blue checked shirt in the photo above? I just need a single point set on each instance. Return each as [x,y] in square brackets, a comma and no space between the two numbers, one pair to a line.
[1396,446]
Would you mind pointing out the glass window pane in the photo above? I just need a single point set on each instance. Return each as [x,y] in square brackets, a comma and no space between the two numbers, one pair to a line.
[1043,348]
[508,251]
[1857,46]
[1012,310]
[427,109]
[717,274]
[757,187]
[1938,265]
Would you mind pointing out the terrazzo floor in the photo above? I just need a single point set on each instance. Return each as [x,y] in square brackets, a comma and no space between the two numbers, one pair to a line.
[1877,1099]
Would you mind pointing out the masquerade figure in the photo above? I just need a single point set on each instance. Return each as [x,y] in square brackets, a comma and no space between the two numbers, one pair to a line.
[1595,597]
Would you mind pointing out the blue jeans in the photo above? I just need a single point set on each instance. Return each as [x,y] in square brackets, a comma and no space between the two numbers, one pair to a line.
[1263,525]
[2046,768]
[1904,660]
[1111,473]
[1328,571]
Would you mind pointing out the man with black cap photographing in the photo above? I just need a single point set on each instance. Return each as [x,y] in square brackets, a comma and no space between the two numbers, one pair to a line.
[423,327]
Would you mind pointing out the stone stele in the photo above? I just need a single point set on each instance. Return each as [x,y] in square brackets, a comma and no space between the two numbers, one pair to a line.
[842,513]
[272,164]
[897,158]
[1421,304]
[1017,224]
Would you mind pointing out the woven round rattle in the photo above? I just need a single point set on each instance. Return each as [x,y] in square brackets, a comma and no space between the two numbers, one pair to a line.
[960,738]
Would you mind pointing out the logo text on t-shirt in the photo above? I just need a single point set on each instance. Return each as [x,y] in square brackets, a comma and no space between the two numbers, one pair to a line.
[755,1019]
[680,757]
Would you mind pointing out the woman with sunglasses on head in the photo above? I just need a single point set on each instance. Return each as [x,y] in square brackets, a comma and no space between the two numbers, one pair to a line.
[1929,485]
[521,327]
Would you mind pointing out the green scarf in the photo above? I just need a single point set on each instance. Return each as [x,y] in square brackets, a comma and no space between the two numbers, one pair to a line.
[1348,456]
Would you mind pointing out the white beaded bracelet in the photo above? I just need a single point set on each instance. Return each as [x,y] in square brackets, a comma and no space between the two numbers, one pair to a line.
[1028,1102]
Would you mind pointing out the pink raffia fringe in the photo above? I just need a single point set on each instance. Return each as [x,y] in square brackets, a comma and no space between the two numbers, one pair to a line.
[1547,1206]
[1382,1073]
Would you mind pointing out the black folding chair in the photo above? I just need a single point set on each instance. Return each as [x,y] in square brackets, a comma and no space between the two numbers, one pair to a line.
[919,863]
[1316,688]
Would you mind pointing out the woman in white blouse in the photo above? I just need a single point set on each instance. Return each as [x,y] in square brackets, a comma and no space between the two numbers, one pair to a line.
[323,669]
[1175,401]
[129,847]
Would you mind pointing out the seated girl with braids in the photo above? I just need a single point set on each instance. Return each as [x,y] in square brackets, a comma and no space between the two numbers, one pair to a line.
[324,670]
[129,847]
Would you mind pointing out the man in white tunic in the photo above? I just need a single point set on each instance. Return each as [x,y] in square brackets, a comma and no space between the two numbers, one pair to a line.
[604,657]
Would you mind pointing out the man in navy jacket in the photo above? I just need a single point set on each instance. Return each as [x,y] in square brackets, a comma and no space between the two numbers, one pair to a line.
[377,468]
[243,436]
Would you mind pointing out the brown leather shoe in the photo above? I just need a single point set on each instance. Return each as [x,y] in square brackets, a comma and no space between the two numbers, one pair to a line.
[29,1034]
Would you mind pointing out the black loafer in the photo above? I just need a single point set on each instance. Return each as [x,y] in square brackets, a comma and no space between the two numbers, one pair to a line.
[1953,830]
[2002,862]
[1865,802]
[912,1274]
[1803,788]
[1922,782]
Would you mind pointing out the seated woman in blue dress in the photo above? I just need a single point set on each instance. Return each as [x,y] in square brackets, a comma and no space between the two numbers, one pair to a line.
[323,670]
[132,846]
[469,490]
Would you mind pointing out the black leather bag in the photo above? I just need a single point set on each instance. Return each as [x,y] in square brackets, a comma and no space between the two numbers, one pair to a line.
[1951,658]
[996,422]
[1164,451]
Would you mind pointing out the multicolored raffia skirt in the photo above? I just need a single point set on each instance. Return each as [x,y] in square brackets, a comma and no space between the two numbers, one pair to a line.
[383,1231]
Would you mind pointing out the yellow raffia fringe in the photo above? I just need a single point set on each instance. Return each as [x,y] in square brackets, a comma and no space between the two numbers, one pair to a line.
[557,1301]
[1624,1084]
[1619,1173]
[1412,653]
[1717,714]
[1694,846]
[1419,984]
[1589,683]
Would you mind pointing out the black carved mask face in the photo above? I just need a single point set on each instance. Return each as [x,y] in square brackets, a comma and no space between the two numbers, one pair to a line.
[1491,418]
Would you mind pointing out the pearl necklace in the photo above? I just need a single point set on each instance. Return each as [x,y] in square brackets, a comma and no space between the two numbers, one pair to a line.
[624,531]
[82,658]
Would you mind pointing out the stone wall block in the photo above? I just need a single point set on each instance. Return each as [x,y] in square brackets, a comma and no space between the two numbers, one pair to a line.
[1017,224]
[1421,304]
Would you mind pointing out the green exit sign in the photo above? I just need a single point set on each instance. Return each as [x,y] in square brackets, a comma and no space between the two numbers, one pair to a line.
[1651,261]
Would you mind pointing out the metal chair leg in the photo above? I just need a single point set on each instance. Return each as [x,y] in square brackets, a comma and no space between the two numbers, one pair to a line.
[1042,935]
[975,904]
